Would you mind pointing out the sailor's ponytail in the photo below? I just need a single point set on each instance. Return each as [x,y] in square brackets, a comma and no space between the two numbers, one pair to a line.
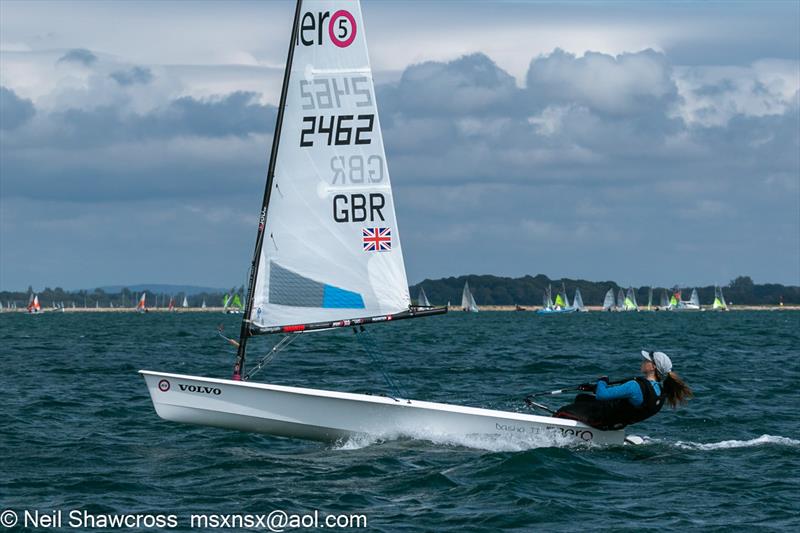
[675,390]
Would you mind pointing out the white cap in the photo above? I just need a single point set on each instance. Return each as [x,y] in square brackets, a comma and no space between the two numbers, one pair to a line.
[660,359]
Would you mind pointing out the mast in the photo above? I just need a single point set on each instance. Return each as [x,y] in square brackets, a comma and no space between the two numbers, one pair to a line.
[238,367]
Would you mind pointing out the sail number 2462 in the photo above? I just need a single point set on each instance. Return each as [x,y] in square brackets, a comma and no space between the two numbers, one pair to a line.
[337,130]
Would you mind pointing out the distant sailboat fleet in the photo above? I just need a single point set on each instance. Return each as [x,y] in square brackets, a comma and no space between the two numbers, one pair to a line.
[617,299]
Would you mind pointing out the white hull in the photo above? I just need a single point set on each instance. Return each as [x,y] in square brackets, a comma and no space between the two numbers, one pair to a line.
[329,416]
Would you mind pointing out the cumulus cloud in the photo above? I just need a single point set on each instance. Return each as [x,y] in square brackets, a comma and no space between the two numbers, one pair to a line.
[14,111]
[80,56]
[628,84]
[596,155]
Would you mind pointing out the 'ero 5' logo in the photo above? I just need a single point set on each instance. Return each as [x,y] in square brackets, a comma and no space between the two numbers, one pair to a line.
[341,28]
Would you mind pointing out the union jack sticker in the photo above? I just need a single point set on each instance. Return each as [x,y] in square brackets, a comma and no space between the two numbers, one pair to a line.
[377,239]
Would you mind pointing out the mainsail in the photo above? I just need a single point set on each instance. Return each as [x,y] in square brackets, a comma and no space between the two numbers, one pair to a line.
[675,300]
[422,299]
[185,302]
[33,305]
[577,301]
[608,302]
[664,300]
[649,298]
[630,300]
[142,305]
[467,300]
[329,244]
[694,299]
[621,299]
[547,299]
[562,301]
[719,300]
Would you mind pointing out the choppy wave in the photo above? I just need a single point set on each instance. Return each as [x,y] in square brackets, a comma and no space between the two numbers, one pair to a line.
[763,440]
[85,418]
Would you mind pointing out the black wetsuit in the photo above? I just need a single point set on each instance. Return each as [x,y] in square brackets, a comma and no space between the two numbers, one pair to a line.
[613,414]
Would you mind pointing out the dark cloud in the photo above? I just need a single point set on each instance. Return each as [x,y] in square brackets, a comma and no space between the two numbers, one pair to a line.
[238,113]
[133,76]
[78,55]
[473,84]
[14,111]
[589,170]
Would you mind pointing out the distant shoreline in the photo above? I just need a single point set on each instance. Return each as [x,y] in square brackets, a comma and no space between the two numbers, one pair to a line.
[452,309]
[599,308]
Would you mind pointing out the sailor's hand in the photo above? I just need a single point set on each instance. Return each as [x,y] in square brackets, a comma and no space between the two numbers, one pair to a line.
[587,387]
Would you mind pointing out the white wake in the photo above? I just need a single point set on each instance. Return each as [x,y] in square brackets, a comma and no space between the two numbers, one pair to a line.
[491,443]
[763,440]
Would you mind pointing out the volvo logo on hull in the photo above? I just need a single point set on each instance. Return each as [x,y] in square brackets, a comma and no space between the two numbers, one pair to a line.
[202,389]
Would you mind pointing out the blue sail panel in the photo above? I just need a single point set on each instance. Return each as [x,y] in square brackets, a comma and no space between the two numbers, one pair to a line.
[336,298]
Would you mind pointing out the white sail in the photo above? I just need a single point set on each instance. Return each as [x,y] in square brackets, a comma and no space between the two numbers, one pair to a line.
[664,301]
[577,301]
[422,300]
[331,248]
[694,299]
[203,305]
[467,300]
[608,302]
[621,299]
[185,302]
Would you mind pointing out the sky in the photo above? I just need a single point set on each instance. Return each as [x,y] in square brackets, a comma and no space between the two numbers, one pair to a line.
[645,143]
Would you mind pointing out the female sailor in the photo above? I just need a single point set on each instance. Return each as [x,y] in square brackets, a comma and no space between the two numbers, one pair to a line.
[616,406]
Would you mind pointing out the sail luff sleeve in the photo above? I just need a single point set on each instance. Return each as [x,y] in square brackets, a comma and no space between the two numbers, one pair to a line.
[245,330]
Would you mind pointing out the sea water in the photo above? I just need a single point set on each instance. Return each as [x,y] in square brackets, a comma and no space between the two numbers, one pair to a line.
[79,433]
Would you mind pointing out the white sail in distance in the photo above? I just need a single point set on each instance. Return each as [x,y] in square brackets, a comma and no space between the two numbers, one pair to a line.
[467,300]
[664,301]
[694,299]
[422,299]
[577,301]
[608,302]
[331,248]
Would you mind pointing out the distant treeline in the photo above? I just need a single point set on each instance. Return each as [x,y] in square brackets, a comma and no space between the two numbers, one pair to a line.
[124,298]
[528,290]
[488,290]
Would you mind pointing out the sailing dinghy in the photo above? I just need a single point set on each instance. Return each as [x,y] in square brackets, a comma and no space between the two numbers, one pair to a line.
[141,307]
[719,300]
[328,255]
[561,304]
[609,303]
[468,303]
[33,305]
[422,299]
